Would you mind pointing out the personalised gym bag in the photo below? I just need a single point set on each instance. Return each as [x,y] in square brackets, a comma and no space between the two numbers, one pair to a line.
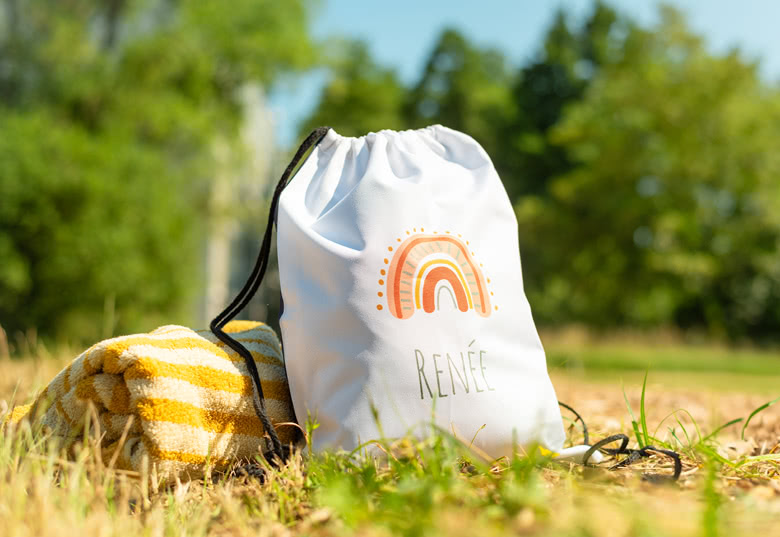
[402,295]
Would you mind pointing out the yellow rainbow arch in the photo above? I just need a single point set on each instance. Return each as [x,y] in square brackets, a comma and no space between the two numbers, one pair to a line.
[424,260]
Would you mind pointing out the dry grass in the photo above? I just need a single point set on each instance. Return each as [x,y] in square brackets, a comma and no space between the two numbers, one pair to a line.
[432,488]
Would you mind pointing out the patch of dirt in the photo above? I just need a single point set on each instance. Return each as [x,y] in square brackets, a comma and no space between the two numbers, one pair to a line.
[603,406]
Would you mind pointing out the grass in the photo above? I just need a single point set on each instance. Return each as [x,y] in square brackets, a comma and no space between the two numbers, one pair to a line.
[620,356]
[671,360]
[420,488]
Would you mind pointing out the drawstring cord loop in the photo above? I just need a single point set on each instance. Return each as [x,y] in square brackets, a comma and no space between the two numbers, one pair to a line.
[253,284]
[633,455]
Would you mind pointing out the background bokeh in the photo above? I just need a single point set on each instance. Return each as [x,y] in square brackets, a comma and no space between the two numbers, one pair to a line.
[139,140]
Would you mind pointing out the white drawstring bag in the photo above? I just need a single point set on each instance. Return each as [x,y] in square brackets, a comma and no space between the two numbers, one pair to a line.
[403,297]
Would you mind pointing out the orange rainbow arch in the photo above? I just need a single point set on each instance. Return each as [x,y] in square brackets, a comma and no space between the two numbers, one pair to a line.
[421,263]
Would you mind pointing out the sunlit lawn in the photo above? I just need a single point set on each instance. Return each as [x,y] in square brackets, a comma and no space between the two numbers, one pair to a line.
[729,486]
[669,361]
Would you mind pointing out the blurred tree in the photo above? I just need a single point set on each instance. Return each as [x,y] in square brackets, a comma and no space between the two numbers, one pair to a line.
[360,96]
[109,113]
[569,60]
[670,212]
[464,88]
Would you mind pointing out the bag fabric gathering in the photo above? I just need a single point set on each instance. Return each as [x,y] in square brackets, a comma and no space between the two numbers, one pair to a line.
[402,295]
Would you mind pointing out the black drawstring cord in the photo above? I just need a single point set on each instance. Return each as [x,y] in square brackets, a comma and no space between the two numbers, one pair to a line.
[251,286]
[603,442]
[586,439]
[633,454]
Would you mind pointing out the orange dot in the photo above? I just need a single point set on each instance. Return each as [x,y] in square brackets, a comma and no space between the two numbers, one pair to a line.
[414,229]
[446,232]
[481,265]
[422,229]
[488,280]
[496,308]
[382,272]
[379,306]
[459,235]
[467,242]
[435,232]
[381,282]
[491,293]
[380,294]
[389,248]
[386,261]
[407,233]
[399,240]
[472,253]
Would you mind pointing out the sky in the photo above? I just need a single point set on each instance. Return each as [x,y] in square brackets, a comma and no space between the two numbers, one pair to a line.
[401,33]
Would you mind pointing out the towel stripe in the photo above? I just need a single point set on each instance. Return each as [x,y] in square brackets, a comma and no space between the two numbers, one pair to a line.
[263,348]
[155,452]
[173,411]
[190,397]
[205,377]
[182,438]
[206,398]
[196,357]
[115,349]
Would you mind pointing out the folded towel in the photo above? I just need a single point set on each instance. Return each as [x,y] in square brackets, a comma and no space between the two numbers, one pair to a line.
[181,397]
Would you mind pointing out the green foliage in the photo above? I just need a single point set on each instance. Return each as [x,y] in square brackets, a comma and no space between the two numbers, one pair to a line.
[712,502]
[461,86]
[670,213]
[642,166]
[570,60]
[360,97]
[420,480]
[464,88]
[757,411]
[110,112]
[81,224]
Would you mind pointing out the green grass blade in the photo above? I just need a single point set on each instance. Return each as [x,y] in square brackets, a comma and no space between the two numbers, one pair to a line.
[674,435]
[659,442]
[695,426]
[684,430]
[660,423]
[634,423]
[674,414]
[643,414]
[715,455]
[711,516]
[773,457]
[756,411]
[714,433]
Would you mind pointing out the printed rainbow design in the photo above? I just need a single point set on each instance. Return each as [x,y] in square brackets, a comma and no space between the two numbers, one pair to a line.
[424,265]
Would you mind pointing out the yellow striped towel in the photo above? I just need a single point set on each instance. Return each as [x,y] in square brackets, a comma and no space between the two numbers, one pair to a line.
[182,396]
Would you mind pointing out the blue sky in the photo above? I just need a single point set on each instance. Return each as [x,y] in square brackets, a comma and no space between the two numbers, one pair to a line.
[401,33]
